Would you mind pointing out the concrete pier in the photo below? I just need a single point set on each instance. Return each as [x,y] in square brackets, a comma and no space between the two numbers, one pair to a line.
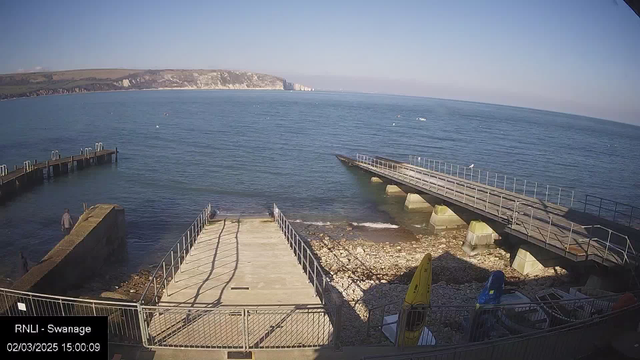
[394,190]
[100,232]
[479,237]
[443,218]
[416,203]
[376,180]
[530,260]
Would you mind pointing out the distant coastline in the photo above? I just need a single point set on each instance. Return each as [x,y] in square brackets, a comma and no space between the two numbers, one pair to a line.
[22,85]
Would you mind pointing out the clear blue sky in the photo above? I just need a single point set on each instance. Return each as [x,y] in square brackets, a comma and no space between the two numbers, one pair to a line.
[577,56]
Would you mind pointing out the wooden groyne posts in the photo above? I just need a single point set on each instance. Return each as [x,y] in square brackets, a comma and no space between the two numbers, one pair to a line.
[33,173]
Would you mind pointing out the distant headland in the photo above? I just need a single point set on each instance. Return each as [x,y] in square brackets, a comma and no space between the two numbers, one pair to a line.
[79,81]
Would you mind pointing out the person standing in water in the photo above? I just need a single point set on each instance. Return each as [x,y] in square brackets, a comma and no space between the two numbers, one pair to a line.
[66,222]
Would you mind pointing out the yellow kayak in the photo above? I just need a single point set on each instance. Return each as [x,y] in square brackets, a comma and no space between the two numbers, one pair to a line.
[419,293]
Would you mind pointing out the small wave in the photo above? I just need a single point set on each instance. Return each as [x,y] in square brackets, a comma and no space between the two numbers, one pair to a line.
[377,225]
[319,223]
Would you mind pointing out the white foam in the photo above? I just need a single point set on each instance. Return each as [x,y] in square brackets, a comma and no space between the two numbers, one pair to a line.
[319,223]
[376,225]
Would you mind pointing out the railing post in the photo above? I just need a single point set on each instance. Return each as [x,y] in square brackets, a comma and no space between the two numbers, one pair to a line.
[245,330]
[589,242]
[559,192]
[569,243]
[188,242]
[475,199]
[515,180]
[495,182]
[315,276]
[464,198]
[164,273]
[458,171]
[631,216]
[548,231]
[143,324]
[615,209]
[487,181]
[524,192]
[504,186]
[173,271]
[586,198]
[464,174]
[572,193]
[531,220]
[500,208]
[486,205]
[599,207]
[184,251]
[606,251]
[626,249]
[535,191]
[401,325]
[546,197]
[515,213]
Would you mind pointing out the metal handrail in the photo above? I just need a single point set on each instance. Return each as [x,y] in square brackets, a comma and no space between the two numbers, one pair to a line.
[70,299]
[632,222]
[518,214]
[176,256]
[303,254]
[535,189]
[469,350]
[494,179]
[492,306]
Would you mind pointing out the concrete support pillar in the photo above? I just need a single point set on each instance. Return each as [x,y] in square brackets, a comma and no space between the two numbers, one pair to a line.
[375,180]
[416,203]
[443,218]
[479,237]
[394,190]
[527,263]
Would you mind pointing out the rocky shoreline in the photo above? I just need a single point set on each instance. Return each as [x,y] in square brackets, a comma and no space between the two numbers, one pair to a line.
[373,277]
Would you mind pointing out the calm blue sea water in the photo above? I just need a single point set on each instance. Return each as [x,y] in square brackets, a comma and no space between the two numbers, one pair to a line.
[244,150]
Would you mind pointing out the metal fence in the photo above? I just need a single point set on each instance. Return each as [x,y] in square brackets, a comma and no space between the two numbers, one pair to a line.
[170,263]
[310,265]
[618,212]
[548,193]
[456,325]
[243,328]
[543,225]
[329,297]
[569,340]
[607,209]
[123,317]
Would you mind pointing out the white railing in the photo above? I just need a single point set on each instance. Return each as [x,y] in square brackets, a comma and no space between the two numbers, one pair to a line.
[310,265]
[548,193]
[123,317]
[170,263]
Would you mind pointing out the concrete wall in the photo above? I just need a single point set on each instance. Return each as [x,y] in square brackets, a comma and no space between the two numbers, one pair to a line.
[100,231]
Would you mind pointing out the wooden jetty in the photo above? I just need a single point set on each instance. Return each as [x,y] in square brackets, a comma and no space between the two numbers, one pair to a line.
[22,178]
